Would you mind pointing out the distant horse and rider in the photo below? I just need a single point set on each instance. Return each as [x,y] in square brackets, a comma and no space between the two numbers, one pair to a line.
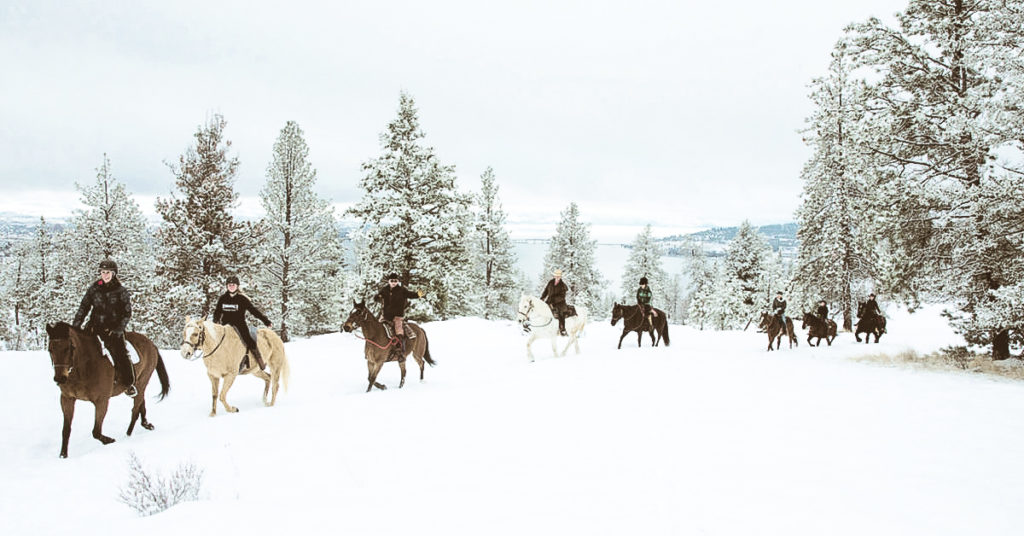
[776,328]
[382,345]
[536,319]
[871,320]
[633,319]
[82,372]
[820,329]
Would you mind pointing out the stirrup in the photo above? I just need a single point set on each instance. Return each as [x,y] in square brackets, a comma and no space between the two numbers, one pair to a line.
[131,391]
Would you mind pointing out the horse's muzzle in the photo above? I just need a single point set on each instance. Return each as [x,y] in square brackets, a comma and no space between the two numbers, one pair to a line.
[60,379]
[346,327]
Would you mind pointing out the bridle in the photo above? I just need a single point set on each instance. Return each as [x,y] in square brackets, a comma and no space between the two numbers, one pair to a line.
[201,339]
[366,318]
[71,352]
[525,322]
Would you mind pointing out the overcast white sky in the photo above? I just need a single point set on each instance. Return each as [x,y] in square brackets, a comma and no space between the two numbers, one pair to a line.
[677,113]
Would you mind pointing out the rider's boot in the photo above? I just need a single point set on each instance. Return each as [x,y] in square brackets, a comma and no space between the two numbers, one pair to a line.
[131,391]
[259,358]
[244,364]
[561,326]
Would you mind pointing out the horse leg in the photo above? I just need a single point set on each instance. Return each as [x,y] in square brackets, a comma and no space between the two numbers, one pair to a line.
[374,369]
[624,332]
[651,333]
[529,353]
[97,425]
[401,366]
[262,374]
[67,406]
[228,380]
[639,337]
[139,401]
[276,380]
[142,415]
[215,384]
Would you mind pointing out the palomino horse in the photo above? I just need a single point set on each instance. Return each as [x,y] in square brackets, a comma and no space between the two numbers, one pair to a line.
[83,373]
[870,323]
[633,320]
[536,318]
[379,344]
[771,324]
[821,329]
[223,350]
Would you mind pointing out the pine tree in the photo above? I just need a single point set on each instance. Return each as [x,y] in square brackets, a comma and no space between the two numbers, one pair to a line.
[414,222]
[300,257]
[834,257]
[496,258]
[572,251]
[940,106]
[111,226]
[745,275]
[200,242]
[702,285]
[645,261]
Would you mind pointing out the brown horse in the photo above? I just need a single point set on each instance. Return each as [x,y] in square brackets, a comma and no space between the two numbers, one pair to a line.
[83,373]
[820,329]
[771,324]
[633,320]
[870,323]
[379,344]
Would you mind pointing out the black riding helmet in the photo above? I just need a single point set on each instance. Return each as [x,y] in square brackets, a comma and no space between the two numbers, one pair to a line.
[643,280]
[107,264]
[232,279]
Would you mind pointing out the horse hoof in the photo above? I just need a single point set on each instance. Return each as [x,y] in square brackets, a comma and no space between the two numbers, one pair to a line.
[63,454]
[105,440]
[233,410]
[147,426]
[213,413]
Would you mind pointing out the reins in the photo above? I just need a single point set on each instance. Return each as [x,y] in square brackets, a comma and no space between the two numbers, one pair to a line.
[526,318]
[202,338]
[391,341]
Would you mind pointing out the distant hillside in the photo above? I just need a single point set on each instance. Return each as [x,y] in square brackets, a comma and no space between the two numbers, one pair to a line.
[780,236]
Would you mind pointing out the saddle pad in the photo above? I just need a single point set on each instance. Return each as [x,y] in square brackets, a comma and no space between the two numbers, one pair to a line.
[133,354]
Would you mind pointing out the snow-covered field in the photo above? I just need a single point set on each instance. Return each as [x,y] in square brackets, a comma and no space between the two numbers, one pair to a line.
[711,435]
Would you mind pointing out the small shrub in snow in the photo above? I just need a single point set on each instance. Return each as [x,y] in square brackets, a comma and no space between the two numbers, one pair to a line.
[148,493]
[953,358]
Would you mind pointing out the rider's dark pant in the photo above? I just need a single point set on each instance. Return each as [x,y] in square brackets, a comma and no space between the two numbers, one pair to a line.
[119,353]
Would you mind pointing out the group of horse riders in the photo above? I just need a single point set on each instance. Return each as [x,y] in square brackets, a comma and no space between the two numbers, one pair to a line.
[108,305]
[556,289]
[779,308]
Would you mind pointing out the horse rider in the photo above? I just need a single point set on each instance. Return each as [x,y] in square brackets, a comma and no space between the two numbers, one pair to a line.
[111,306]
[394,299]
[871,306]
[643,299]
[779,307]
[822,312]
[554,295]
[230,311]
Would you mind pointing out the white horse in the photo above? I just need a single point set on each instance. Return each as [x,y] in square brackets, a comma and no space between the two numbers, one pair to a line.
[536,318]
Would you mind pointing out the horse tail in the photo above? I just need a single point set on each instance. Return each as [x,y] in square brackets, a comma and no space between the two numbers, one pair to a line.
[426,349]
[277,345]
[161,372]
[665,334]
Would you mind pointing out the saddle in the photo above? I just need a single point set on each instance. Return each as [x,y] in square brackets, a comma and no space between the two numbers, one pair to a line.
[389,329]
[133,354]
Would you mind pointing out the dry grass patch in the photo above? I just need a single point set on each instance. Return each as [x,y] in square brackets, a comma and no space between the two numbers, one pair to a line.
[952,358]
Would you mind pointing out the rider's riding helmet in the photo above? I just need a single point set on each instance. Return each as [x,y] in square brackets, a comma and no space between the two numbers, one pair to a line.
[643,280]
[107,264]
[392,275]
[231,279]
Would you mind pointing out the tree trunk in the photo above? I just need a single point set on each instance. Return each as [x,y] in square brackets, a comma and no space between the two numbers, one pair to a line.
[1001,345]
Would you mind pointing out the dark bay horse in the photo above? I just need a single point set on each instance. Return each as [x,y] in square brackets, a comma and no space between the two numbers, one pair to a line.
[821,329]
[379,345]
[83,373]
[633,320]
[771,324]
[870,323]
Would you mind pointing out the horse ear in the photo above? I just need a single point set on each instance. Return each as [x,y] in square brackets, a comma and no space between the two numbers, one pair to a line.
[49,328]
[188,318]
[354,303]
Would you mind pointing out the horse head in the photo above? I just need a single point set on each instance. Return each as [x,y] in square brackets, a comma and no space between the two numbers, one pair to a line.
[766,321]
[617,312]
[860,309]
[62,350]
[359,313]
[808,319]
[193,335]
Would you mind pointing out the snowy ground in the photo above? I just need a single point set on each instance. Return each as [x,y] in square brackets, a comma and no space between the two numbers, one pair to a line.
[711,435]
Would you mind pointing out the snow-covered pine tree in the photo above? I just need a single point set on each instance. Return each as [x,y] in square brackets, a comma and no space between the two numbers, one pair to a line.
[496,258]
[299,258]
[745,268]
[835,255]
[200,243]
[572,251]
[414,222]
[111,226]
[940,103]
[726,306]
[645,261]
[36,287]
[702,275]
